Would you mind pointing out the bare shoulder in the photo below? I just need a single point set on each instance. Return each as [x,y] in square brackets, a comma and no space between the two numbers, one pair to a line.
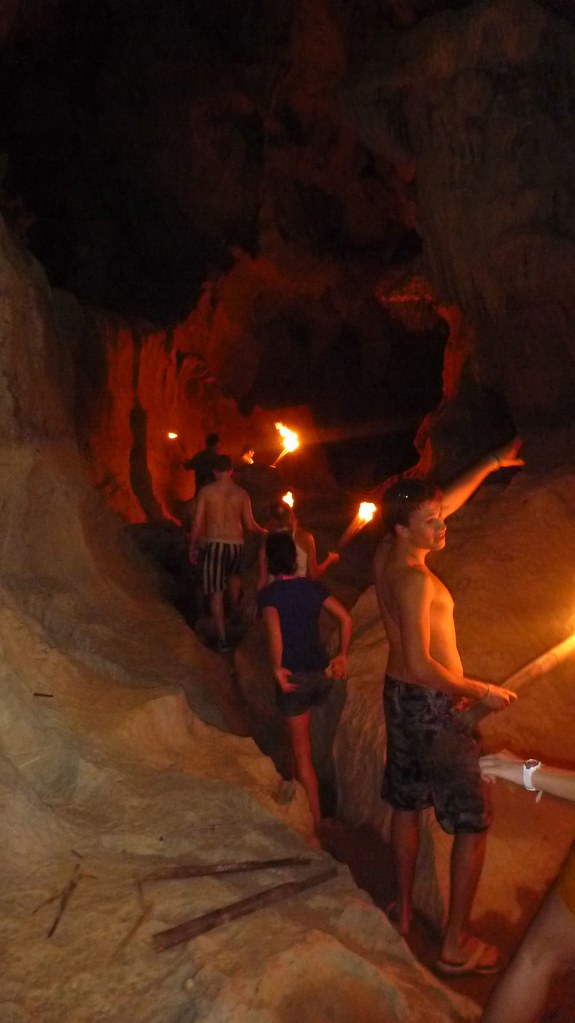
[412,584]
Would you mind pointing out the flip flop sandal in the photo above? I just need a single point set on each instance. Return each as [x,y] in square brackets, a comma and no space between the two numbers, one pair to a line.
[471,965]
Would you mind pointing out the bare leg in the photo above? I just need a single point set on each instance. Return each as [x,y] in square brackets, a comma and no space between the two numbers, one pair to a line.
[404,846]
[217,612]
[547,950]
[467,856]
[298,728]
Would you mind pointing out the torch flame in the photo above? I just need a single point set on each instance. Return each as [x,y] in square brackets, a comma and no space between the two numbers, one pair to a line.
[288,498]
[289,438]
[366,511]
[172,436]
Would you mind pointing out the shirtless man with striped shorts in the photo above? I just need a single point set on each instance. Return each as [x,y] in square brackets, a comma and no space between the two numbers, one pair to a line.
[224,510]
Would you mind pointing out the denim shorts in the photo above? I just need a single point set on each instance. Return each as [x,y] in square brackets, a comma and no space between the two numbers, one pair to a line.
[313,689]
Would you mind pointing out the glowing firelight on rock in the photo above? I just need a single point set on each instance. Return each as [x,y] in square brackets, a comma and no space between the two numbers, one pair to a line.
[288,498]
[364,514]
[172,436]
[289,438]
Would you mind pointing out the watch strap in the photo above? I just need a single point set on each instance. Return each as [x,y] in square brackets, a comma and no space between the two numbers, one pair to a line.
[529,769]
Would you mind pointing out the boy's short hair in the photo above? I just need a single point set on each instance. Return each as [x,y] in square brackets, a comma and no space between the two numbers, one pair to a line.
[212,439]
[281,554]
[223,463]
[404,497]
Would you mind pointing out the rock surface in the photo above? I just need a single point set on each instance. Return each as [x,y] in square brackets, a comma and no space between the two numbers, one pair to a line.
[478,102]
[124,748]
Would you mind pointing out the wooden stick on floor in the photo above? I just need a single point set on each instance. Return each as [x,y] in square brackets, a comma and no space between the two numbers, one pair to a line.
[201,924]
[210,869]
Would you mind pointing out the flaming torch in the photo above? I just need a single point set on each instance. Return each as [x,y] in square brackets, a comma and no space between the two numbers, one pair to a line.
[290,441]
[364,514]
[288,499]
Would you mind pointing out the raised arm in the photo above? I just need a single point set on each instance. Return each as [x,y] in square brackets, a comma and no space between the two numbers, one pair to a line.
[314,570]
[414,599]
[338,664]
[457,493]
[554,780]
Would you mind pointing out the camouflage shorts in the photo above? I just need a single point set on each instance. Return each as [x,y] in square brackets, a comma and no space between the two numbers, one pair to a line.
[431,760]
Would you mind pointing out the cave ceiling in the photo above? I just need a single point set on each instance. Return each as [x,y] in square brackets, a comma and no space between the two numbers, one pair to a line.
[156,153]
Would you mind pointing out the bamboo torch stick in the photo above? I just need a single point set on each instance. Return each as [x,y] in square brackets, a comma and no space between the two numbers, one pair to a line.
[364,514]
[533,669]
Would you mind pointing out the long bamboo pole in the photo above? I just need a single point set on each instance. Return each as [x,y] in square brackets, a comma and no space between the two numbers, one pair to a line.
[181,870]
[533,669]
[163,940]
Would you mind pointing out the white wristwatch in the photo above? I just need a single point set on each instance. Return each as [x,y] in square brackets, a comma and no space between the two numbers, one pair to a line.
[529,769]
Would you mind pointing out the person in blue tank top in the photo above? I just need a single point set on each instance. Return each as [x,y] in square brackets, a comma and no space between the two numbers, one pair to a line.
[291,607]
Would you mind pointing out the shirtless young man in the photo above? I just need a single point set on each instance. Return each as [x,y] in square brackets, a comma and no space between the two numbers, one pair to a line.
[423,685]
[224,510]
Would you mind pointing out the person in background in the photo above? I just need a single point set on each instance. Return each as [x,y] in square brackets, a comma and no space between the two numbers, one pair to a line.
[284,520]
[291,607]
[223,512]
[424,684]
[203,462]
[247,456]
[548,948]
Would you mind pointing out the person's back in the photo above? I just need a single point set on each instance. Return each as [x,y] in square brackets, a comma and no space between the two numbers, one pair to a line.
[224,505]
[223,512]
[298,601]
[204,462]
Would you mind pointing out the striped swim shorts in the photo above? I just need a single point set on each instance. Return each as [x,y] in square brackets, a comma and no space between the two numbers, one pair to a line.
[221,560]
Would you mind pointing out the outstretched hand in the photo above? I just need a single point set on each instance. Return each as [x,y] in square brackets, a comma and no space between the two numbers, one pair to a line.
[502,765]
[508,454]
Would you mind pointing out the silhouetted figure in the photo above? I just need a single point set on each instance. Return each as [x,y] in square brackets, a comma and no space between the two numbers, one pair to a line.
[203,462]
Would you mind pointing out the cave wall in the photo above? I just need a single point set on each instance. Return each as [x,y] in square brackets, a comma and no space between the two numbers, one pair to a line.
[480,103]
[116,762]
[189,168]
